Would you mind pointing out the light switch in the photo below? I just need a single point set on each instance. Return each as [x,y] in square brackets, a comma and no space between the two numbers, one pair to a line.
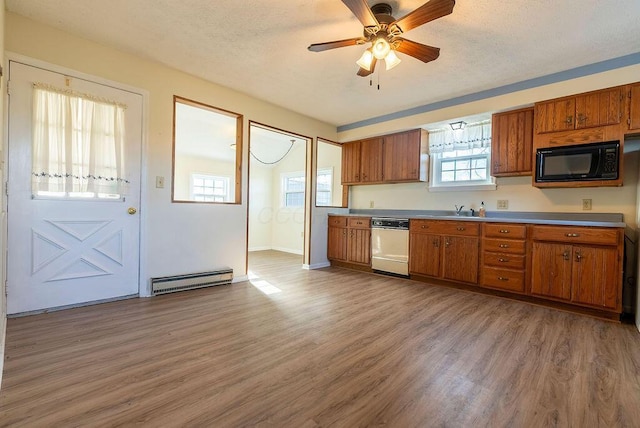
[159,182]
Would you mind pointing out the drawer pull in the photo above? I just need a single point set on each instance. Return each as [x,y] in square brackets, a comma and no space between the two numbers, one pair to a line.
[460,228]
[359,222]
[578,256]
[447,243]
[503,278]
[565,255]
[504,230]
[572,235]
[503,260]
[424,226]
[504,245]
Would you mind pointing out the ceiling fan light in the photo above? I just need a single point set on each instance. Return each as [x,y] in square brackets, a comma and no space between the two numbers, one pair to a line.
[381,48]
[391,60]
[365,60]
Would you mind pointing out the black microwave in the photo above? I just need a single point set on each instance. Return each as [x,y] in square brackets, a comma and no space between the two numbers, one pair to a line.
[585,162]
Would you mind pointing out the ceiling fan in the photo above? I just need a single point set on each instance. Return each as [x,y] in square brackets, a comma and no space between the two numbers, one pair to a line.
[383,31]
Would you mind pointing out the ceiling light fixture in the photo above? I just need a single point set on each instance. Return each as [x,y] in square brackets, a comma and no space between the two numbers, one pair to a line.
[381,46]
[455,126]
[366,60]
[391,60]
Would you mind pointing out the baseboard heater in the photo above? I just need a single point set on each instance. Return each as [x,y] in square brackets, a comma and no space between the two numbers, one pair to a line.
[171,284]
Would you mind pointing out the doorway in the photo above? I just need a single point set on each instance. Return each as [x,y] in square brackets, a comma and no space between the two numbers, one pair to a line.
[74,153]
[279,197]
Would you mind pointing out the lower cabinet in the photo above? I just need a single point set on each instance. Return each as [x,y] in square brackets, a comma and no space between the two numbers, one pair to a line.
[504,256]
[444,249]
[584,268]
[349,239]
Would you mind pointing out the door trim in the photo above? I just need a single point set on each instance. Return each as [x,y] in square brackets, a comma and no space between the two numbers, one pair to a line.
[144,288]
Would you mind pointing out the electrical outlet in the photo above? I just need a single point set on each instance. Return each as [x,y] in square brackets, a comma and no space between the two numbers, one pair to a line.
[371,204]
[503,204]
[159,182]
[586,204]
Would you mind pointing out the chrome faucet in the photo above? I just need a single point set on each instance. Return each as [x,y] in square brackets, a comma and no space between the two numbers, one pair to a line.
[459,210]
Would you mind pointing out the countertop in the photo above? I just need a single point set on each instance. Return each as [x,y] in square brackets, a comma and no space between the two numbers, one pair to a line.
[564,219]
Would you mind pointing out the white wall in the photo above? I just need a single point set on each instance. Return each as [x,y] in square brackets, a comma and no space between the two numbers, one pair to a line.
[522,196]
[288,223]
[177,238]
[330,156]
[187,165]
[260,207]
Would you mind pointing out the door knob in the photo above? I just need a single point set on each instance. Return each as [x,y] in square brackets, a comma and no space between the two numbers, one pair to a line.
[132,210]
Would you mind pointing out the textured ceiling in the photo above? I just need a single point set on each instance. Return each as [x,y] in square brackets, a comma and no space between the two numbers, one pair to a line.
[260,47]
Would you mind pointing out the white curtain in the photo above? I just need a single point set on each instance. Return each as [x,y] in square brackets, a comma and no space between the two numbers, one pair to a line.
[475,135]
[78,142]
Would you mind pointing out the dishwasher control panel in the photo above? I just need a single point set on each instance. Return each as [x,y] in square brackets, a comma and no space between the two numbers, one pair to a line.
[390,223]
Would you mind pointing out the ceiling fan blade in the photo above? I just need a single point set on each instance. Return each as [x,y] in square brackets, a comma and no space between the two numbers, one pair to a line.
[364,73]
[417,50]
[319,47]
[361,10]
[429,11]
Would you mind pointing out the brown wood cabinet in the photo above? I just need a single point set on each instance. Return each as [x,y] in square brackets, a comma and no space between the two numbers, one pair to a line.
[371,152]
[512,143]
[634,107]
[588,110]
[504,259]
[391,158]
[351,162]
[349,239]
[402,157]
[578,264]
[444,249]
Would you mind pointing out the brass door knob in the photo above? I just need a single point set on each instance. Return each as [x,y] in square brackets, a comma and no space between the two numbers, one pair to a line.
[132,210]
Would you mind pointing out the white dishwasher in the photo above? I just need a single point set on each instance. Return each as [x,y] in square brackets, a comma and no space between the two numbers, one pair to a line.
[390,245]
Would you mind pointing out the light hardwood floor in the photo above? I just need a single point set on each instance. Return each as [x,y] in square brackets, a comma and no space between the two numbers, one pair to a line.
[332,348]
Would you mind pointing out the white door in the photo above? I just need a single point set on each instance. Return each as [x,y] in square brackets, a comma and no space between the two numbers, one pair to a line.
[68,251]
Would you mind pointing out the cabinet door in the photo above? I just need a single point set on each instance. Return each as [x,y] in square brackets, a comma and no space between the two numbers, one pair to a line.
[599,108]
[512,143]
[402,156]
[555,115]
[337,244]
[634,107]
[371,160]
[460,258]
[551,270]
[351,162]
[424,254]
[359,248]
[596,276]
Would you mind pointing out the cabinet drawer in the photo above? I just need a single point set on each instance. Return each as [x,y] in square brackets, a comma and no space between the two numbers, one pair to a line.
[445,227]
[580,235]
[360,222]
[510,246]
[337,221]
[503,279]
[510,261]
[505,230]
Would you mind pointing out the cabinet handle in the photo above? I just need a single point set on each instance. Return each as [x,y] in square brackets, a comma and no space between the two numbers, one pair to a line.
[344,233]
[436,243]
[447,243]
[460,228]
[503,278]
[572,235]
[503,260]
[351,234]
[504,230]
[359,222]
[565,255]
[582,118]
[578,256]
[504,245]
[569,120]
[424,227]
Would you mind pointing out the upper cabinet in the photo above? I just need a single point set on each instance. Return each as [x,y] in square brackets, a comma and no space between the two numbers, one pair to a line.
[634,107]
[592,109]
[388,159]
[512,143]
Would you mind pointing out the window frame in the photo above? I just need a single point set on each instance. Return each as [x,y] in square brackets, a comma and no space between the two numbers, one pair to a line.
[236,198]
[437,185]
[284,177]
[344,189]
[324,171]
[225,179]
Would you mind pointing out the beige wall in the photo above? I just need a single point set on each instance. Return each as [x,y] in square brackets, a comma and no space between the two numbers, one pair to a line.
[260,207]
[330,156]
[3,212]
[177,238]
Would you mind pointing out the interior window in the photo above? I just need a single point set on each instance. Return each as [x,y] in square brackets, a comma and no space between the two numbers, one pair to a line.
[329,190]
[207,147]
[293,189]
